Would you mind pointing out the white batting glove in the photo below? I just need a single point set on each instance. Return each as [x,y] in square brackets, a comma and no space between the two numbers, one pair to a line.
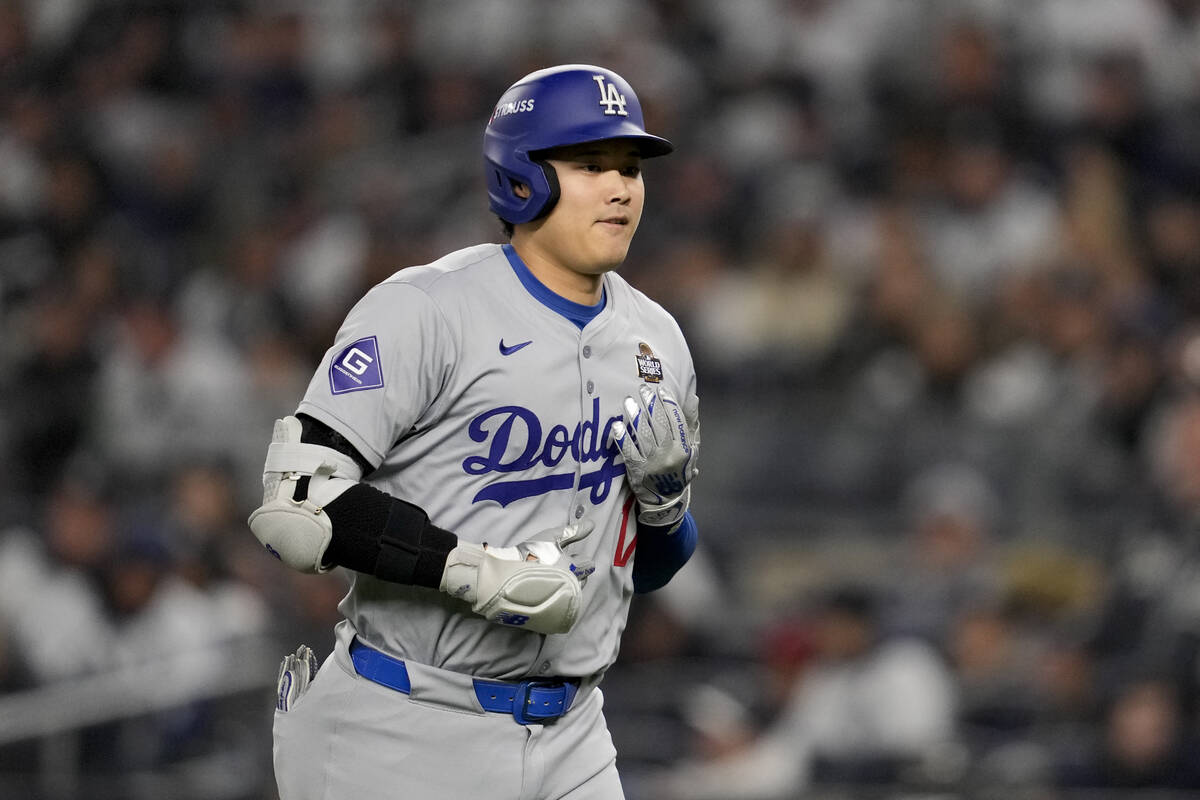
[295,674]
[661,447]
[534,585]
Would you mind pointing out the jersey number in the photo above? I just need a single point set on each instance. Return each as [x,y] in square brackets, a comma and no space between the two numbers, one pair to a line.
[625,551]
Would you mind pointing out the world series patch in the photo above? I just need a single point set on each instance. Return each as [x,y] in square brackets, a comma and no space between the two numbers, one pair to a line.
[356,368]
[649,367]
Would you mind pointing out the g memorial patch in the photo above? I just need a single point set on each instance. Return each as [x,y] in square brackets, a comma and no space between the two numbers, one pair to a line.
[356,368]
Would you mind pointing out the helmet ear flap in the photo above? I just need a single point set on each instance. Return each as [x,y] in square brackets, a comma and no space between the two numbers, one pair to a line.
[543,190]
[552,190]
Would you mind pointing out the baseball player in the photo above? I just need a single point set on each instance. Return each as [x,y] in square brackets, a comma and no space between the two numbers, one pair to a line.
[499,446]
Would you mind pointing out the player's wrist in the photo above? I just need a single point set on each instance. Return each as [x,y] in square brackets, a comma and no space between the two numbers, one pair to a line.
[665,515]
[460,575]
[534,585]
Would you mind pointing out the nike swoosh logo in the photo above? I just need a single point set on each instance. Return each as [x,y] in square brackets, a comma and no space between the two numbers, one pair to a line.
[506,350]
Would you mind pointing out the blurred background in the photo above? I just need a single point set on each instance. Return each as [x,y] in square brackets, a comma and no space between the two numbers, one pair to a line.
[939,265]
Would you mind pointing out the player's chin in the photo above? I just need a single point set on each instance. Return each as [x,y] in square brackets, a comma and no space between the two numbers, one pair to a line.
[610,258]
[612,248]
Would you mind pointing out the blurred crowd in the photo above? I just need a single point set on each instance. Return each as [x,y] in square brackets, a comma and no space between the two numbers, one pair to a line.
[938,261]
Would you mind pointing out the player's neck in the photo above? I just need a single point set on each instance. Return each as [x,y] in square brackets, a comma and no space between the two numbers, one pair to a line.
[578,287]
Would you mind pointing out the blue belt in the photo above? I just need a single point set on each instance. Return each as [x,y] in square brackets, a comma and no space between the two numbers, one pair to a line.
[529,702]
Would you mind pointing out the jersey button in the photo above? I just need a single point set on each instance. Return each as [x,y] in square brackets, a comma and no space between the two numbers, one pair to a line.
[587,351]
[590,387]
[578,512]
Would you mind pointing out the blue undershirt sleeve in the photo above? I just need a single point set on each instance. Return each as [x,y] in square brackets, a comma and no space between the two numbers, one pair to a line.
[660,556]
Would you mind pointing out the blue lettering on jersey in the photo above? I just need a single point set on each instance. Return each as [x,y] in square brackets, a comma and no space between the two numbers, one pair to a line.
[512,425]
[356,367]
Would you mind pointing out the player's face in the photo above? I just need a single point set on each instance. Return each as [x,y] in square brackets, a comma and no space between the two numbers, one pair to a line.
[601,195]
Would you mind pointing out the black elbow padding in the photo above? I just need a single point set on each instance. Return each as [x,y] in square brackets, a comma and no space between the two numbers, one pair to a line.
[383,536]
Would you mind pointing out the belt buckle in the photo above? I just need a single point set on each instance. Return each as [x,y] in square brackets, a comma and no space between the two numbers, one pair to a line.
[522,710]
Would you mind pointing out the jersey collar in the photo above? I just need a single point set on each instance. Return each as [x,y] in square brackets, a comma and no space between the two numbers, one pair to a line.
[578,313]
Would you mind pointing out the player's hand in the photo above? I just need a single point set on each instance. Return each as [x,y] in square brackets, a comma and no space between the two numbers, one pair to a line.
[295,674]
[660,442]
[535,585]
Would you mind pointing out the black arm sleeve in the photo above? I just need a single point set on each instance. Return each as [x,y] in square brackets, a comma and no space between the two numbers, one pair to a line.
[313,431]
[374,532]
[383,536]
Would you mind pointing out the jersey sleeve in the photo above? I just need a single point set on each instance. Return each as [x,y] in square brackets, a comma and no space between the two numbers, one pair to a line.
[384,373]
[661,555]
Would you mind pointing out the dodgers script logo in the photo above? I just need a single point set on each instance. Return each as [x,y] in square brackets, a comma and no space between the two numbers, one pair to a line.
[519,428]
[356,367]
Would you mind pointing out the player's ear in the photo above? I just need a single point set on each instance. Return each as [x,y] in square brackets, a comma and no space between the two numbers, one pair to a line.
[521,190]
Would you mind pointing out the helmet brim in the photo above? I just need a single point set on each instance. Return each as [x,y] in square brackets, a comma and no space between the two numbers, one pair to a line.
[648,145]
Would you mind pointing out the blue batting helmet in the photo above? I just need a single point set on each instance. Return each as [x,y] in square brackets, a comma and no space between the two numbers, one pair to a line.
[555,107]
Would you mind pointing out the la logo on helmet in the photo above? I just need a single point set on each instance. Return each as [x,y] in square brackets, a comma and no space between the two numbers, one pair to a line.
[612,100]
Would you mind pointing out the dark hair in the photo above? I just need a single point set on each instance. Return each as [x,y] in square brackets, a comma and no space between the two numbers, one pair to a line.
[507,227]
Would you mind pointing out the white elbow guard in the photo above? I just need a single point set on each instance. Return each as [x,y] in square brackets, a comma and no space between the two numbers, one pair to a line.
[299,479]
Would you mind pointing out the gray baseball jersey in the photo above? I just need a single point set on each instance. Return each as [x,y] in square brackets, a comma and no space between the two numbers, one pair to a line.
[479,402]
